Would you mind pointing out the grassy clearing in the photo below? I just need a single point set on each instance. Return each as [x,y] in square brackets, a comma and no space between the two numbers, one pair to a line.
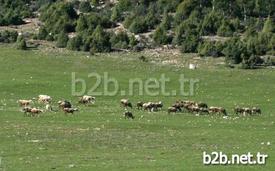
[99,138]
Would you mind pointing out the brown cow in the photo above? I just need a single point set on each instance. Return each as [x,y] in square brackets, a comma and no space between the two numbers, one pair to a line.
[219,110]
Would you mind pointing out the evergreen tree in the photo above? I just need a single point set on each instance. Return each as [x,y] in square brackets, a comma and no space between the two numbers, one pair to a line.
[160,36]
[100,41]
[85,6]
[62,40]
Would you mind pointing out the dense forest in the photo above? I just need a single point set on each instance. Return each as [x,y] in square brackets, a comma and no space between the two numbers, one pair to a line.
[245,29]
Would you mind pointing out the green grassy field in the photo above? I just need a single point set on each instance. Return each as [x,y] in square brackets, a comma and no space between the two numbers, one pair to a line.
[99,138]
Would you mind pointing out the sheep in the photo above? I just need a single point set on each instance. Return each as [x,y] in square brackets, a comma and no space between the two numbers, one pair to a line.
[256,110]
[64,104]
[238,110]
[87,99]
[172,109]
[247,110]
[32,111]
[219,110]
[178,106]
[201,105]
[139,105]
[148,106]
[26,110]
[128,115]
[126,103]
[44,99]
[70,110]
[24,102]
[158,105]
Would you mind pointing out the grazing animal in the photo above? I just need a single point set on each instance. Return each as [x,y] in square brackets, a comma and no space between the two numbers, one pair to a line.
[128,115]
[32,111]
[87,99]
[172,109]
[126,103]
[239,110]
[26,110]
[24,102]
[247,111]
[201,105]
[69,110]
[256,110]
[204,110]
[158,105]
[189,103]
[148,106]
[139,105]
[178,106]
[64,104]
[219,110]
[44,99]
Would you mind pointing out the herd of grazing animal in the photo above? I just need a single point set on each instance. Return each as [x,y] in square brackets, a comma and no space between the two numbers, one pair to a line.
[63,105]
[178,106]
[184,106]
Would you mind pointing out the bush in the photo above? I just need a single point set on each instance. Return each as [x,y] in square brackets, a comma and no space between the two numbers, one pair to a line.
[211,23]
[160,36]
[233,50]
[120,40]
[186,33]
[251,62]
[190,44]
[99,41]
[225,29]
[81,24]
[116,15]
[21,43]
[62,40]
[74,43]
[132,41]
[42,34]
[85,6]
[8,36]
[138,26]
[269,26]
[209,49]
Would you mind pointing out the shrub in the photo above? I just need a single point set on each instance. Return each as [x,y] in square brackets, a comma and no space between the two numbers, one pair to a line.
[209,49]
[160,36]
[225,29]
[120,40]
[138,26]
[62,40]
[132,41]
[211,23]
[233,50]
[99,41]
[190,44]
[81,24]
[269,26]
[42,34]
[21,43]
[85,6]
[74,43]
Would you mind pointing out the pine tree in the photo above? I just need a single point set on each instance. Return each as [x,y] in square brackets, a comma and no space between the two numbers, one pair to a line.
[100,41]
[62,40]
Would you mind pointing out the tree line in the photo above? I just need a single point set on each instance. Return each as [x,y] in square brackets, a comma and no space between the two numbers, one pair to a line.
[246,27]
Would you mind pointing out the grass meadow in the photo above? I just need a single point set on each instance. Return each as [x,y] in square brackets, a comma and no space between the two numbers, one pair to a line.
[99,138]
